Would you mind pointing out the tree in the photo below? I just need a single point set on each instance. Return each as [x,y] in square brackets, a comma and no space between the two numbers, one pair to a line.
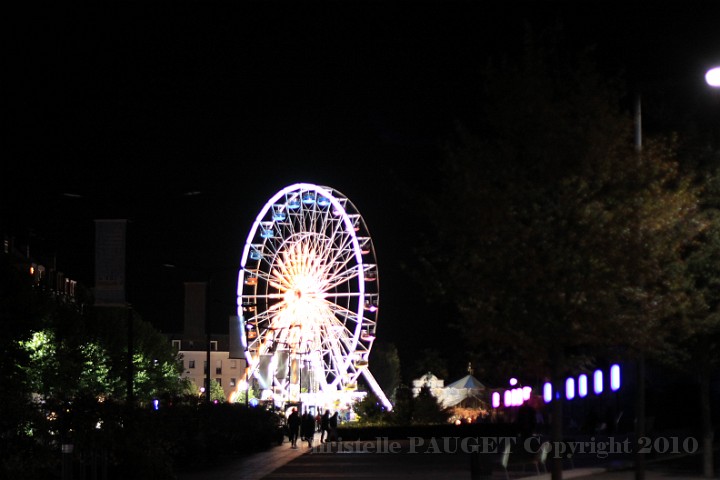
[61,366]
[385,366]
[217,394]
[697,352]
[427,410]
[370,410]
[554,238]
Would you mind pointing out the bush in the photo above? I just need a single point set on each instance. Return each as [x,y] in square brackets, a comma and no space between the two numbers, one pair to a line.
[137,443]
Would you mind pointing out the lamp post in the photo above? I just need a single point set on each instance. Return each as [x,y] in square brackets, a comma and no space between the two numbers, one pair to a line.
[131,349]
[712,77]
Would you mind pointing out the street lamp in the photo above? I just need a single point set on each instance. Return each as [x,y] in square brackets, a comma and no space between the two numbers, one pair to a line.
[712,77]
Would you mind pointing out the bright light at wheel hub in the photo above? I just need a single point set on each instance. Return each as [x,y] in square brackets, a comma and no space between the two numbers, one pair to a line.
[298,275]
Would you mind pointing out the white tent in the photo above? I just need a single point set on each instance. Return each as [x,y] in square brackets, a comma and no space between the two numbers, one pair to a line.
[466,390]
[469,382]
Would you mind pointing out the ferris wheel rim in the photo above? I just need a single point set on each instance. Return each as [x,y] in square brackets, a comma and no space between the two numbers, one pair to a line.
[358,313]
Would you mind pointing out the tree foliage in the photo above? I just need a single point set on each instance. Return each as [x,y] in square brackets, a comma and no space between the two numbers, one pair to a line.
[370,410]
[427,410]
[430,360]
[61,362]
[552,233]
[385,366]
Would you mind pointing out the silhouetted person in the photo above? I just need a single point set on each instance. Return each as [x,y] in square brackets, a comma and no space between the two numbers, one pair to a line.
[307,429]
[325,426]
[526,420]
[294,427]
[318,418]
[333,423]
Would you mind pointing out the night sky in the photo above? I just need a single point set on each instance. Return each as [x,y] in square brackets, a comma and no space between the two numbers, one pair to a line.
[185,118]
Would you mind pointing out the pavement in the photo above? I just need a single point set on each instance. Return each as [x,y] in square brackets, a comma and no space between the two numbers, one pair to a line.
[252,467]
[284,462]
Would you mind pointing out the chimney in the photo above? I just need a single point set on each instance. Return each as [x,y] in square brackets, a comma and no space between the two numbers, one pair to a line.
[194,326]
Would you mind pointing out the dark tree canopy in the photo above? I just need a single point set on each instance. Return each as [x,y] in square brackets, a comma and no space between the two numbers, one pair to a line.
[551,232]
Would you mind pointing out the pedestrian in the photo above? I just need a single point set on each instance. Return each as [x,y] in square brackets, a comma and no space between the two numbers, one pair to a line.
[318,419]
[325,426]
[307,428]
[333,424]
[293,427]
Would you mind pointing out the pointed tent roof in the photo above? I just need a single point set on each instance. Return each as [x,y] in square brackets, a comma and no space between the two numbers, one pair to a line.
[468,381]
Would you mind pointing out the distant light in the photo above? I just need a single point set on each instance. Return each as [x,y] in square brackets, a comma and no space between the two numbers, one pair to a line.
[615,378]
[570,388]
[582,385]
[507,400]
[712,77]
[254,402]
[496,399]
[526,391]
[547,392]
[598,382]
[513,381]
[156,404]
[517,397]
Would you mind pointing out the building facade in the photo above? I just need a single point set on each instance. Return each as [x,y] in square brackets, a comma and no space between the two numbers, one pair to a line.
[193,348]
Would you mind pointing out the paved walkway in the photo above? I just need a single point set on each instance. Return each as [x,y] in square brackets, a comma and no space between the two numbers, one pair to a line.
[679,467]
[252,467]
[263,464]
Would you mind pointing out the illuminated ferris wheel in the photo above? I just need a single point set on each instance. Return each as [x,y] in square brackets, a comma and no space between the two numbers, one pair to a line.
[308,297]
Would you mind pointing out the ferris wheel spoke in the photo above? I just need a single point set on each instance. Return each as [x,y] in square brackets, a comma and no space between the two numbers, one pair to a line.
[336,354]
[351,319]
[341,251]
[342,266]
[344,261]
[340,278]
[264,317]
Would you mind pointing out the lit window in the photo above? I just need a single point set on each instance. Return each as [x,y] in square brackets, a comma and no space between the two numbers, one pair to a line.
[547,392]
[615,378]
[232,382]
[598,382]
[582,386]
[570,388]
[526,392]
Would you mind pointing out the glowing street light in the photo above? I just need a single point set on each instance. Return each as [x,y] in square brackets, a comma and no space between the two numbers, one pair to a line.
[712,77]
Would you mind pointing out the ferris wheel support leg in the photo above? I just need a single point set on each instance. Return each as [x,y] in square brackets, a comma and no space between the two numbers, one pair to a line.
[376,388]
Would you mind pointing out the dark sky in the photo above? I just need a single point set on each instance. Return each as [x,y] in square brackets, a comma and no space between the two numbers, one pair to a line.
[130,107]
